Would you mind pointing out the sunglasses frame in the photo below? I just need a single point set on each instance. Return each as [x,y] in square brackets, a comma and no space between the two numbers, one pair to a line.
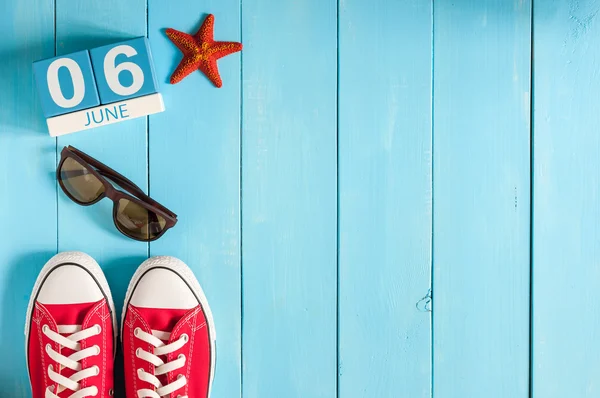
[107,177]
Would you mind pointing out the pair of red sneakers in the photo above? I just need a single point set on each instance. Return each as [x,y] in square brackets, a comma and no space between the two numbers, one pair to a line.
[167,331]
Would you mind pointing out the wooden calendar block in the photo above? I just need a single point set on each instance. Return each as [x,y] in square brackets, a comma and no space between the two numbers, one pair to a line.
[66,84]
[124,70]
[105,114]
[105,85]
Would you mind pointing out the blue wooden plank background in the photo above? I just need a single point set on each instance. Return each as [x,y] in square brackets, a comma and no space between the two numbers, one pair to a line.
[289,223]
[481,201]
[566,200]
[384,198]
[359,154]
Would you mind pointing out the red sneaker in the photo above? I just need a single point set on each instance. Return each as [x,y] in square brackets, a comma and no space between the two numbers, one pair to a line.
[70,330]
[168,333]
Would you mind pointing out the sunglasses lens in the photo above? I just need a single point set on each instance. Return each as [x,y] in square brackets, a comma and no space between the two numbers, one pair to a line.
[79,182]
[137,221]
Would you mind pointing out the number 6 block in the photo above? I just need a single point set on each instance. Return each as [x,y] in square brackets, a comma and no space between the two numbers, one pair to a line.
[124,70]
[101,86]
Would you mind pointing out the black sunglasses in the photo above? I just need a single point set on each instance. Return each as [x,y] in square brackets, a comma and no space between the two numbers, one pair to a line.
[86,181]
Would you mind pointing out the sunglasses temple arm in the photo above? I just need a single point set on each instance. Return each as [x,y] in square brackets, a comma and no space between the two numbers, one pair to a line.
[134,189]
[124,182]
[127,184]
[121,180]
[131,187]
[72,173]
[106,171]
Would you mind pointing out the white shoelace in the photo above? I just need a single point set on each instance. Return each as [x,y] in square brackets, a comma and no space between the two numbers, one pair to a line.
[75,335]
[157,339]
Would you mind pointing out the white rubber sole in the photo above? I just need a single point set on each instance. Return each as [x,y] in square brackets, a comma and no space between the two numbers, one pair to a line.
[180,268]
[76,258]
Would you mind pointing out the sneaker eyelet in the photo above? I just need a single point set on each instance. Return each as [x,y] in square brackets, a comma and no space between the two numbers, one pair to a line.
[136,332]
[50,368]
[179,377]
[97,349]
[181,356]
[45,328]
[98,329]
[185,338]
[111,392]
[137,352]
[139,372]
[97,370]
[48,348]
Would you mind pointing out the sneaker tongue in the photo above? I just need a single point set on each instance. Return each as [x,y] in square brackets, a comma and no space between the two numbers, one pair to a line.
[163,319]
[69,314]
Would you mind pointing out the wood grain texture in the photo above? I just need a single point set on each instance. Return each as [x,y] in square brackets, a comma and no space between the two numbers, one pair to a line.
[566,206]
[481,198]
[27,189]
[289,212]
[195,171]
[384,198]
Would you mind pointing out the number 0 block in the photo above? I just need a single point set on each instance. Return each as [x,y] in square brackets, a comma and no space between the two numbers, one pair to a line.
[124,70]
[66,84]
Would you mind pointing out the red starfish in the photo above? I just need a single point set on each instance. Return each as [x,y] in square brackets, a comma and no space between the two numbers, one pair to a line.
[201,52]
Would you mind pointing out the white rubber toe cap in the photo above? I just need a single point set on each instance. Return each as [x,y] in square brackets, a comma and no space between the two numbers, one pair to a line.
[163,287]
[68,284]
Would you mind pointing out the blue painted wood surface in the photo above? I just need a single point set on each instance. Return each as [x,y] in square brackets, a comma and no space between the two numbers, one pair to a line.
[353,145]
[566,200]
[481,198]
[384,199]
[289,223]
